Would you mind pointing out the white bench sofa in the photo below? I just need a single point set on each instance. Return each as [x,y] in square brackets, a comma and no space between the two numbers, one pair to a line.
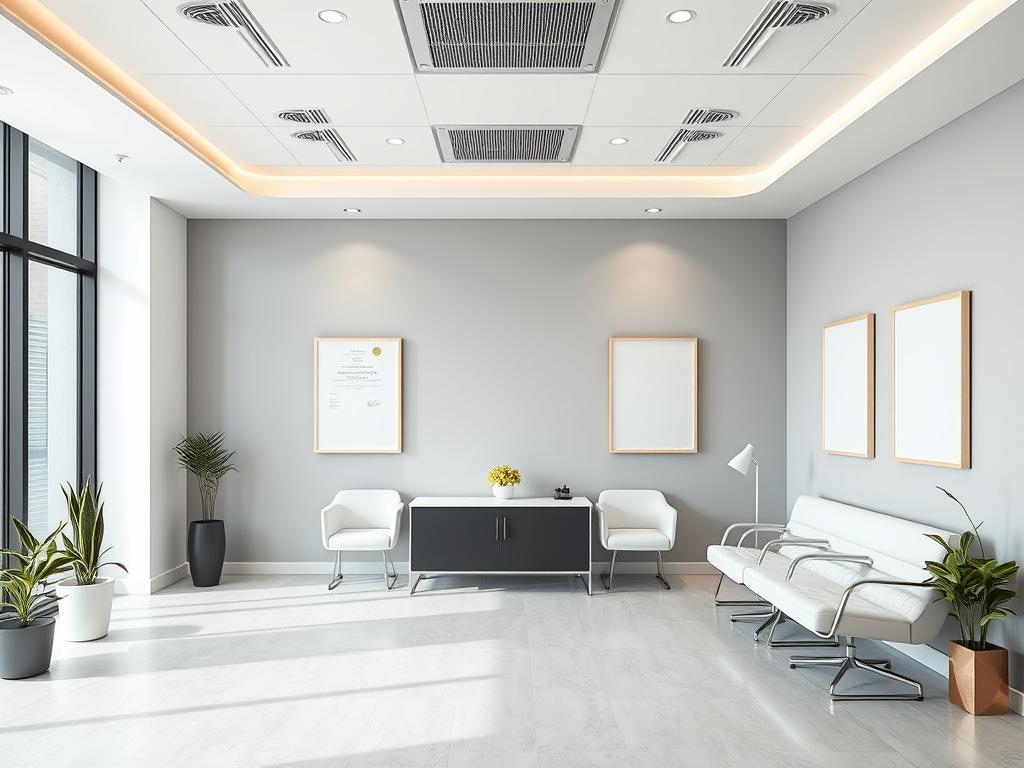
[865,580]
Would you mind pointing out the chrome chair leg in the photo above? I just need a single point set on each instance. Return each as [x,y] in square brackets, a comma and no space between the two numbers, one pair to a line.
[606,578]
[807,642]
[389,578]
[661,572]
[773,620]
[719,602]
[336,573]
[754,616]
[880,667]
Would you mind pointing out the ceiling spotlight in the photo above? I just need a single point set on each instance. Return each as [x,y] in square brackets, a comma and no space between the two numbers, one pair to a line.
[332,17]
[618,141]
[353,210]
[680,17]
[395,141]
[652,210]
[5,91]
[121,159]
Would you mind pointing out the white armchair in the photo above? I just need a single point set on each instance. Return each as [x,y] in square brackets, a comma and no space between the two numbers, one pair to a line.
[359,521]
[636,521]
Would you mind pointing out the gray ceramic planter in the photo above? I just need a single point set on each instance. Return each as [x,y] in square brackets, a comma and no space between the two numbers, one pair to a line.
[25,651]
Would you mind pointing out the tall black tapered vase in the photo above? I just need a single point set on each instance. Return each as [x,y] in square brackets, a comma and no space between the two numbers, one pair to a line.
[206,551]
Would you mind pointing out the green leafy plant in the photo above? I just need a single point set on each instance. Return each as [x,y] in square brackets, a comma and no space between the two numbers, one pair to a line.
[85,512]
[203,454]
[503,474]
[975,587]
[26,586]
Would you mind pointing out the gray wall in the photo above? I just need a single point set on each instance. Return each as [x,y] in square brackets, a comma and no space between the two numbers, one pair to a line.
[505,327]
[945,214]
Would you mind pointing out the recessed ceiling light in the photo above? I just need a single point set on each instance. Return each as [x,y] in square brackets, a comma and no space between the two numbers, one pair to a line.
[652,210]
[5,91]
[680,17]
[353,210]
[332,16]
[618,141]
[395,141]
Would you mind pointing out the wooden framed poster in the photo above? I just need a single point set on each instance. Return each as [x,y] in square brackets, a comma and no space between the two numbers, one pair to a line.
[848,387]
[652,394]
[931,381]
[357,395]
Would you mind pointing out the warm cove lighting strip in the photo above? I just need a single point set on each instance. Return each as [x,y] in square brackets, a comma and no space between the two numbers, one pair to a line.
[45,26]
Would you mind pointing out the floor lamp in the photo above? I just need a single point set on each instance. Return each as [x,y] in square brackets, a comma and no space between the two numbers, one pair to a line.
[741,463]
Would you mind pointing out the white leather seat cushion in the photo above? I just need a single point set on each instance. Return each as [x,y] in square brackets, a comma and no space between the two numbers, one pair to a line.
[811,600]
[644,539]
[734,561]
[360,538]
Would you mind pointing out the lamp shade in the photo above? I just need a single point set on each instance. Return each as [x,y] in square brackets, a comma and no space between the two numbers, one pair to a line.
[742,460]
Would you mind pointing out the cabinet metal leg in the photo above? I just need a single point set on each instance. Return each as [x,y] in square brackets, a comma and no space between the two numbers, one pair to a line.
[413,583]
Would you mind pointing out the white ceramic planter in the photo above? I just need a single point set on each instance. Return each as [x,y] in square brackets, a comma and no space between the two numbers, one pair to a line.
[503,491]
[85,611]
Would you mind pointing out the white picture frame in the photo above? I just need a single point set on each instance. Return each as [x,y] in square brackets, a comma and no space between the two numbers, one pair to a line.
[652,394]
[848,387]
[357,394]
[931,381]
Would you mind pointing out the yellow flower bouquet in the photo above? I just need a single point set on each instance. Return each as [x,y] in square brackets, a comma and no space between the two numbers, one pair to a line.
[504,475]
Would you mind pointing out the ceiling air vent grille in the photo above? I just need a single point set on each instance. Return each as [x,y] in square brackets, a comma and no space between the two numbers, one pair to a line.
[333,140]
[307,116]
[705,116]
[774,16]
[506,143]
[507,35]
[235,14]
[680,139]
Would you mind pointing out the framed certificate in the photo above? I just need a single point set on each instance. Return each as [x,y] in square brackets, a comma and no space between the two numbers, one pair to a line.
[357,395]
[848,387]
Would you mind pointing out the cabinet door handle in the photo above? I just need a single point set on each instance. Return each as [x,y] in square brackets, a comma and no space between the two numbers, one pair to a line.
[496,536]
[504,528]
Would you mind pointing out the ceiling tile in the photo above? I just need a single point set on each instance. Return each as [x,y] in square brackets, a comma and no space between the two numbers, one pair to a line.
[665,99]
[645,143]
[809,99]
[759,146]
[202,100]
[644,42]
[371,41]
[250,146]
[882,33]
[506,99]
[150,48]
[368,144]
[347,99]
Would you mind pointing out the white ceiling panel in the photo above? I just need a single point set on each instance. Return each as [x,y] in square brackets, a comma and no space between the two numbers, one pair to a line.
[370,41]
[202,100]
[347,99]
[665,99]
[645,143]
[644,42]
[882,33]
[368,144]
[809,99]
[250,146]
[506,99]
[759,146]
[148,48]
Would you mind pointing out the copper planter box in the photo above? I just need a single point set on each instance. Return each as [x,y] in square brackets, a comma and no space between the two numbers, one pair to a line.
[978,680]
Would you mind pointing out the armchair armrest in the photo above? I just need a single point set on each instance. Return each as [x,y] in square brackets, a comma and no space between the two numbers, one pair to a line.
[330,521]
[751,527]
[396,523]
[848,593]
[837,557]
[775,544]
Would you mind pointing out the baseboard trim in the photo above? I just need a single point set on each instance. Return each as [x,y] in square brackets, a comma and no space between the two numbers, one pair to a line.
[374,567]
[679,568]
[144,586]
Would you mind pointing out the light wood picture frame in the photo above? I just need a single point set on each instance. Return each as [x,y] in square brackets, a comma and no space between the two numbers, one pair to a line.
[357,394]
[931,381]
[848,387]
[652,394]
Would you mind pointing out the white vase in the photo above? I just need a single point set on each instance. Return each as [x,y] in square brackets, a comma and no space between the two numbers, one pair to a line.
[84,610]
[503,491]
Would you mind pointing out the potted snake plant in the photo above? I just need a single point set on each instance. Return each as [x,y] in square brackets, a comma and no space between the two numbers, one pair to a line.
[26,629]
[86,597]
[204,456]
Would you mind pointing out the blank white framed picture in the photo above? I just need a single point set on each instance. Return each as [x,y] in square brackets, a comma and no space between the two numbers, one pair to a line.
[848,387]
[357,395]
[931,381]
[652,394]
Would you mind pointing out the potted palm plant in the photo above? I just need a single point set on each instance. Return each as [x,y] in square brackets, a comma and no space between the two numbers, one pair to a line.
[203,455]
[86,597]
[977,593]
[26,633]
